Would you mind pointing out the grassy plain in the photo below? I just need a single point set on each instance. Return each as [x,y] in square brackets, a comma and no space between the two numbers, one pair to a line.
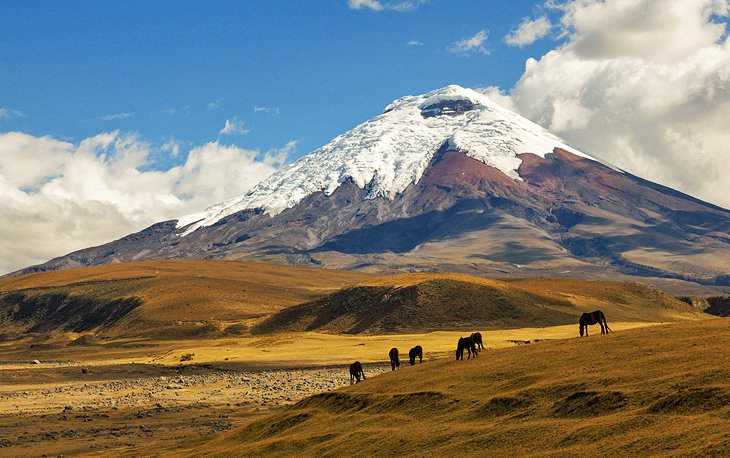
[180,372]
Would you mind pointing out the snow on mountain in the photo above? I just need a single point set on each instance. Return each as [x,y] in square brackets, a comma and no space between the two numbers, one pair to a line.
[391,151]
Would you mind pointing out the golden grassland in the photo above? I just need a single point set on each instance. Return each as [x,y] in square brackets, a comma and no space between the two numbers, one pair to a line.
[183,297]
[195,316]
[663,390]
[277,350]
[208,299]
[121,404]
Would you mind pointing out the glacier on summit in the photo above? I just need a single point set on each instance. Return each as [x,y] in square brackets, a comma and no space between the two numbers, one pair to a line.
[391,151]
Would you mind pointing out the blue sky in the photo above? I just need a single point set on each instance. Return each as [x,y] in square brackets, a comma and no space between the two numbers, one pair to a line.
[181,69]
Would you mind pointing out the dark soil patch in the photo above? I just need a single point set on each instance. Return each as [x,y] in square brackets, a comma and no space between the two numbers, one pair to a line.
[589,404]
[694,400]
[415,402]
[503,405]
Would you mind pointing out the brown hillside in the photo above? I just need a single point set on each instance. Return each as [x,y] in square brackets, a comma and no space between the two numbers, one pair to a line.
[658,391]
[426,302]
[624,301]
[160,298]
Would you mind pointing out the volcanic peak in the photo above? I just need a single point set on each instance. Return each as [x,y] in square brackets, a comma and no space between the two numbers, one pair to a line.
[391,151]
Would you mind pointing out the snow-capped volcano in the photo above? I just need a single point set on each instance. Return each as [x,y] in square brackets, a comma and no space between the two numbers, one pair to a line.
[391,151]
[449,180]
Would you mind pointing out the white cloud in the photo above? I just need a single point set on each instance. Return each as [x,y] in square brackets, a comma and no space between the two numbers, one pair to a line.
[214,105]
[171,147]
[234,127]
[115,117]
[528,32]
[8,113]
[277,156]
[216,172]
[60,196]
[642,84]
[263,109]
[414,43]
[467,45]
[374,5]
[377,5]
[655,30]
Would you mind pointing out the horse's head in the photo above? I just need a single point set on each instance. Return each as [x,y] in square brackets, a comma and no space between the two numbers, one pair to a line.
[581,329]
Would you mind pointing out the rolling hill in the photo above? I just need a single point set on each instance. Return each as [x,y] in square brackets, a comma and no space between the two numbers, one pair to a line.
[428,302]
[166,298]
[196,298]
[659,391]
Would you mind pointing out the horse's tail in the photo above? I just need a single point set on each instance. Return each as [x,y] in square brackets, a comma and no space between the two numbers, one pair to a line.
[605,323]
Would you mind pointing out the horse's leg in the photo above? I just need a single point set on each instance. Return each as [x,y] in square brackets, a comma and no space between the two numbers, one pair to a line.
[363,374]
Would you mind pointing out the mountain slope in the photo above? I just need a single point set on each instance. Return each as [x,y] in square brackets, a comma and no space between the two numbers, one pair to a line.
[449,181]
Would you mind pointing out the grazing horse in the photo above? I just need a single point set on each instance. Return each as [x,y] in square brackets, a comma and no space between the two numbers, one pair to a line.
[477,336]
[356,372]
[415,351]
[592,318]
[394,359]
[465,343]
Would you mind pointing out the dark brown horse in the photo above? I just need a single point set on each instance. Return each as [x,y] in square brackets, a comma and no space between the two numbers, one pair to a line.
[414,352]
[466,343]
[592,318]
[477,336]
[394,359]
[356,372]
